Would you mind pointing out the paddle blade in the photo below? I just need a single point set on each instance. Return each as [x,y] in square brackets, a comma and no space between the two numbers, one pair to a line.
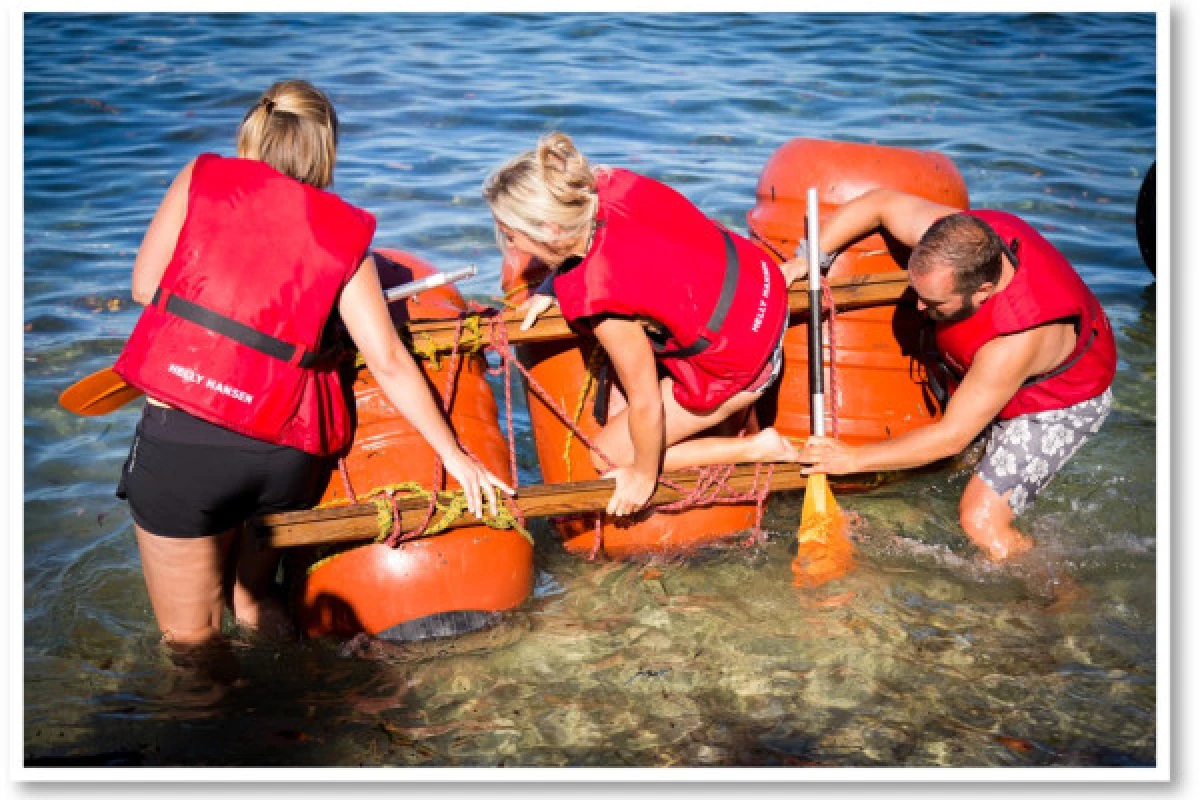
[823,547]
[99,393]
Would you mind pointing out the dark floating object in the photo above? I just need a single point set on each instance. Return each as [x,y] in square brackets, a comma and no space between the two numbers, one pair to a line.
[1144,218]
[437,626]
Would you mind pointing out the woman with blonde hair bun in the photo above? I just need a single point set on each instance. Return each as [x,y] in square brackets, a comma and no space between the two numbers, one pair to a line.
[664,289]
[243,267]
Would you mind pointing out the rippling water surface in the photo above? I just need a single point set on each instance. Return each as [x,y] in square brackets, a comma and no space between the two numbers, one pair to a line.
[921,657]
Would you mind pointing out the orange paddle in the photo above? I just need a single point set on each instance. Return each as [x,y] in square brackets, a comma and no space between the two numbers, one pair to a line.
[823,549]
[98,393]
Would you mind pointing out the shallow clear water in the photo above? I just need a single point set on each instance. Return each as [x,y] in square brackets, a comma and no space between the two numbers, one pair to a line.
[921,657]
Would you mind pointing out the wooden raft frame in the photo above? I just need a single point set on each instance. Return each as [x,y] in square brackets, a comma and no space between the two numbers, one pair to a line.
[357,523]
[859,291]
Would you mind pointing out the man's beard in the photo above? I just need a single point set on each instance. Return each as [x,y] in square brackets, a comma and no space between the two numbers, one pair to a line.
[967,310]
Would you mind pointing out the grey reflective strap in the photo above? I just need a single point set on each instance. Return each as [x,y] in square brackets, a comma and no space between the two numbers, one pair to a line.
[719,312]
[546,287]
[826,260]
[237,331]
[1066,365]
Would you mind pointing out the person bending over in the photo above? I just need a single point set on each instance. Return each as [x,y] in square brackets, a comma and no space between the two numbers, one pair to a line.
[1025,349]
[661,287]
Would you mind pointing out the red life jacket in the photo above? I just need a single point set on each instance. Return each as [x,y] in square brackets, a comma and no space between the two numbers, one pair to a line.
[1044,288]
[234,333]
[718,300]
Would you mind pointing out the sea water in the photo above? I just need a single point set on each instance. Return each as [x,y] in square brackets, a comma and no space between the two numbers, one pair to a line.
[923,656]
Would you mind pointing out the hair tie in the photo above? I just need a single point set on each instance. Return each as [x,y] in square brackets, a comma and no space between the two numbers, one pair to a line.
[1011,249]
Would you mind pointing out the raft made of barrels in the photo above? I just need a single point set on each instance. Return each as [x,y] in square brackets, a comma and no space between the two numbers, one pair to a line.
[370,588]
[358,522]
[873,357]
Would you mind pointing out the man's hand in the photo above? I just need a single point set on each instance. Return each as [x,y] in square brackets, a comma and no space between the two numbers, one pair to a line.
[828,456]
[795,269]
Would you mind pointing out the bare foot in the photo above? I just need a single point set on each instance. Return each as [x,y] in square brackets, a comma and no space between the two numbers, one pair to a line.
[1002,549]
[768,445]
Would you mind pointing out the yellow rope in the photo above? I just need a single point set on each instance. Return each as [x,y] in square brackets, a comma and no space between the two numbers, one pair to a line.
[520,289]
[450,505]
[593,366]
[472,339]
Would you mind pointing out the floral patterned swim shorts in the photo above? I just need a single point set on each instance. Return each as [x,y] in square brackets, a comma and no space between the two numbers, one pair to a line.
[1025,452]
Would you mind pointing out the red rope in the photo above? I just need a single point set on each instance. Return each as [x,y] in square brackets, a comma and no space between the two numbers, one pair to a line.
[398,536]
[760,501]
[502,346]
[597,537]
[834,393]
[506,367]
[349,487]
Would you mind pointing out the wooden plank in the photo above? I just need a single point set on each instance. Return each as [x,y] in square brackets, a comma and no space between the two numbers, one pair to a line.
[859,291]
[356,523]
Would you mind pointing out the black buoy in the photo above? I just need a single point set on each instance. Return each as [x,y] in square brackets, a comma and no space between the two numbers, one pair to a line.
[1144,218]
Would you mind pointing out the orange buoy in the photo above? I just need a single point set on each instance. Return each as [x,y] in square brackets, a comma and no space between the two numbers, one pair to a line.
[874,375]
[374,587]
[562,370]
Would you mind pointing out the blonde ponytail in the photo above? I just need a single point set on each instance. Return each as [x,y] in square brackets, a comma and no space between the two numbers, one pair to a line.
[294,128]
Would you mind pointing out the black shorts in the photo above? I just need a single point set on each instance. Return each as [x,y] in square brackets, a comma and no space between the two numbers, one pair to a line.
[186,478]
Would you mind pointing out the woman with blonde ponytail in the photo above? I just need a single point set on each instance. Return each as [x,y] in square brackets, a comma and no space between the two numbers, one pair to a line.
[690,314]
[242,268]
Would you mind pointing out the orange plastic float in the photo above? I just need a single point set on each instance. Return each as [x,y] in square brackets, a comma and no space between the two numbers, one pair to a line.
[374,587]
[880,388]
[562,369]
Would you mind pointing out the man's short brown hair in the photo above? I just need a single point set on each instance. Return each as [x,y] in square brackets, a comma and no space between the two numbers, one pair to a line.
[965,243]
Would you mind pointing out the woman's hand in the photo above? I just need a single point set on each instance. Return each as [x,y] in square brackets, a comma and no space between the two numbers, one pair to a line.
[476,481]
[534,306]
[828,456]
[633,491]
[795,269]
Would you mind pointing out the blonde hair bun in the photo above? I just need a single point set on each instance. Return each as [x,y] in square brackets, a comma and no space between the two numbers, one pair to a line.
[564,169]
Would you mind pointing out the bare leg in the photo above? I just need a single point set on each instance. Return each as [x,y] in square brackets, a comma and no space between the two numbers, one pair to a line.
[253,571]
[184,579]
[682,424]
[987,518]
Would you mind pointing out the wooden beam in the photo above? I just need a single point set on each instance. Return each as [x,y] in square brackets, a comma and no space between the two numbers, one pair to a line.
[356,523]
[859,291]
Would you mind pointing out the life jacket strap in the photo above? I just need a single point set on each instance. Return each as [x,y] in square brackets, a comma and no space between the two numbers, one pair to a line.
[294,354]
[1066,365]
[719,312]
